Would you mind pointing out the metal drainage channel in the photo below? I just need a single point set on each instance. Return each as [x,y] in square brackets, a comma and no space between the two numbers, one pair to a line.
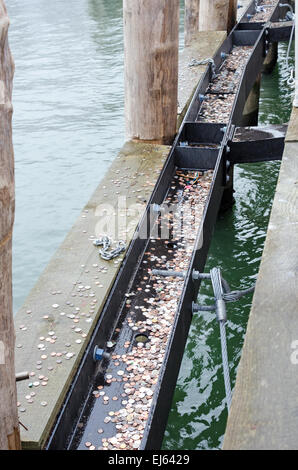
[80,410]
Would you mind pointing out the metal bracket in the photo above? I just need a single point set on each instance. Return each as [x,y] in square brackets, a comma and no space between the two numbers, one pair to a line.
[280,31]
[257,144]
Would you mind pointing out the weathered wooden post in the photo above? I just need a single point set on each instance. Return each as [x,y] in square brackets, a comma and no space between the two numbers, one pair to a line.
[214,15]
[191,20]
[151,40]
[232,15]
[9,424]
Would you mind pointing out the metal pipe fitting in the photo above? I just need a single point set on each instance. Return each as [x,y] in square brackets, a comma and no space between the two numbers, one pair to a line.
[166,273]
[221,311]
[22,376]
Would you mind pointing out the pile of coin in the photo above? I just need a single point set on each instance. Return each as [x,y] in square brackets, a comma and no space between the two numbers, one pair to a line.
[265,13]
[228,79]
[142,335]
[219,99]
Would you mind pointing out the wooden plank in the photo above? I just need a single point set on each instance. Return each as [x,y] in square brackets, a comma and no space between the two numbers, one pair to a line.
[136,168]
[151,42]
[265,401]
[9,423]
[292,134]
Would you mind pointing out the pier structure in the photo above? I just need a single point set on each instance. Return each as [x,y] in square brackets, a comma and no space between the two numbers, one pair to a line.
[9,423]
[89,323]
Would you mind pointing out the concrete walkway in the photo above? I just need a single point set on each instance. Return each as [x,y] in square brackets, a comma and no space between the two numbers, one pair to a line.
[264,412]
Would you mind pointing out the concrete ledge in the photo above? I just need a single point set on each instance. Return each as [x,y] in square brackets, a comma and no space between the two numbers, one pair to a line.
[265,402]
[204,45]
[60,314]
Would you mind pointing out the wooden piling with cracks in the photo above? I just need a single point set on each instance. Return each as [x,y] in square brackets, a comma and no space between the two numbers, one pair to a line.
[9,427]
[151,69]
[191,20]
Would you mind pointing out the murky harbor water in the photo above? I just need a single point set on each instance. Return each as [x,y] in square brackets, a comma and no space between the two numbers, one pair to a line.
[198,416]
[68,126]
[135,367]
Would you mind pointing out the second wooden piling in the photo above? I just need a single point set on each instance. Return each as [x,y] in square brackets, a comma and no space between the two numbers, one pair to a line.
[151,40]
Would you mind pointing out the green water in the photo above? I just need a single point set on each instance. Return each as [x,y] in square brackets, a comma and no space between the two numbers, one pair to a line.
[198,416]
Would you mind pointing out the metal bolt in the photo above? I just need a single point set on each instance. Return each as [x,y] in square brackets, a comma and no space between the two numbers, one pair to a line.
[197,275]
[99,354]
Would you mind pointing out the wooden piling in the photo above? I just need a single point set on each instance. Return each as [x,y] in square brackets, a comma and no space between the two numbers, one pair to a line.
[151,41]
[191,20]
[232,15]
[9,427]
[214,15]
